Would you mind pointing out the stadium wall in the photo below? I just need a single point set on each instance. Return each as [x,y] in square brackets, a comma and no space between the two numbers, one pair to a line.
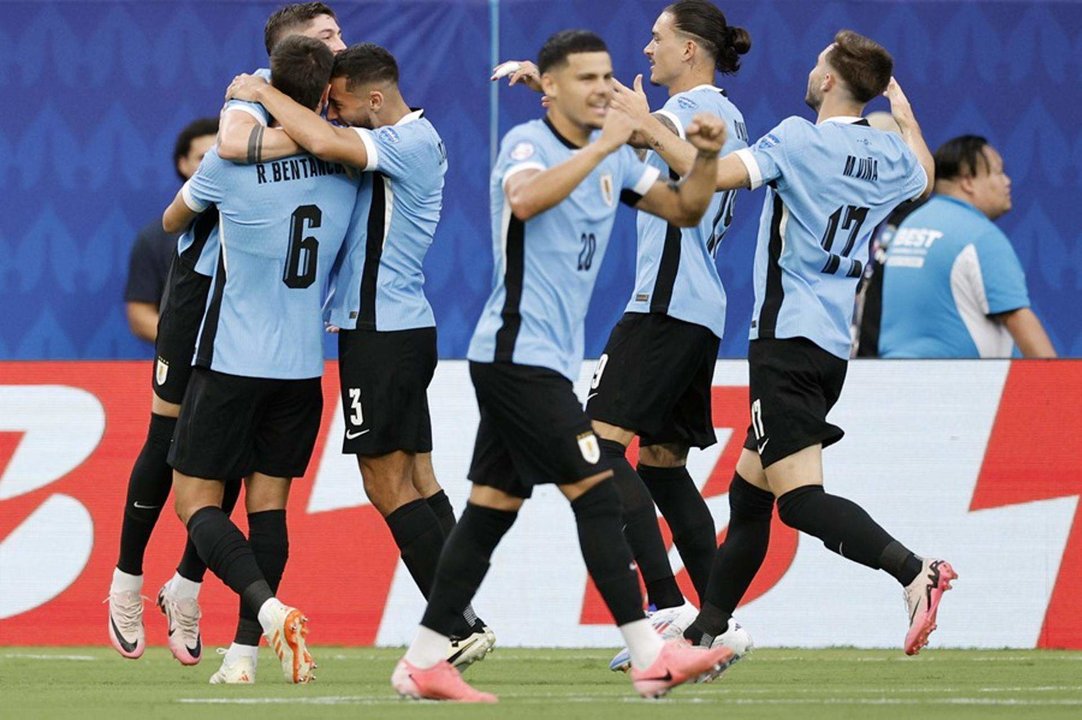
[977,462]
[95,93]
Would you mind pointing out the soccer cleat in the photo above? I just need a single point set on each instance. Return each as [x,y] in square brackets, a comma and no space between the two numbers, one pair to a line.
[668,623]
[234,671]
[922,598]
[465,651]
[287,639]
[737,639]
[439,682]
[678,663]
[182,615]
[126,630]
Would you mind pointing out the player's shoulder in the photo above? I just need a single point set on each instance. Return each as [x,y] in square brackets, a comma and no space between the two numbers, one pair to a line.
[789,134]
[525,142]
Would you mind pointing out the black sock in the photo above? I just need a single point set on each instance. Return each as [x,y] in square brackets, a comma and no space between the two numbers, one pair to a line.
[269,537]
[641,529]
[845,528]
[607,555]
[191,566]
[464,564]
[148,489]
[737,560]
[693,531]
[441,505]
[227,553]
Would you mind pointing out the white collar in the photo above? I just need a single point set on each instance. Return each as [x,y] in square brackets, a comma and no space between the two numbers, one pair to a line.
[704,86]
[410,117]
[850,119]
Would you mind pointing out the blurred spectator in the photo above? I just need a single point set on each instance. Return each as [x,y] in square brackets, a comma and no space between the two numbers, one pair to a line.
[953,286]
[154,248]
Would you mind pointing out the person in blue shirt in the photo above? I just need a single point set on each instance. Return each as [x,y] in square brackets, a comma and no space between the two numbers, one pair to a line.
[254,402]
[387,335]
[953,286]
[554,193]
[830,183]
[654,378]
[184,301]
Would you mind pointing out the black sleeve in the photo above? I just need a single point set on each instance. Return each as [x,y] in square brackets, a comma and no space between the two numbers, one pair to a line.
[630,197]
[149,265]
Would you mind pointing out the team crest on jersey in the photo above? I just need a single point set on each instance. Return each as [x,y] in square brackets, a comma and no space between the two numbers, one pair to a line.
[161,371]
[686,103]
[522,151]
[591,451]
[389,134]
[768,141]
[606,189]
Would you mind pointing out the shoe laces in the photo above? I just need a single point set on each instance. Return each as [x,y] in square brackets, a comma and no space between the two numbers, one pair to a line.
[185,613]
[126,609]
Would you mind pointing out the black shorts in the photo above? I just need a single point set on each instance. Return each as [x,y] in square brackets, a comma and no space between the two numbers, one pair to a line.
[231,426]
[533,430]
[184,301]
[793,385]
[655,378]
[385,378]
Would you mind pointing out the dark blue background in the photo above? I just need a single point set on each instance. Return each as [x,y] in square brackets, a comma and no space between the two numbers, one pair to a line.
[93,95]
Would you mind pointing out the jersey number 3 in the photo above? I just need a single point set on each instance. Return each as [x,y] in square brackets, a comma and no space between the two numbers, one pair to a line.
[303,251]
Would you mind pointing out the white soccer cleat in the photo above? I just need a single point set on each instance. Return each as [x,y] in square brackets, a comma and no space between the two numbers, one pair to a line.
[737,639]
[922,598]
[287,639]
[463,652]
[669,623]
[126,631]
[238,670]
[182,615]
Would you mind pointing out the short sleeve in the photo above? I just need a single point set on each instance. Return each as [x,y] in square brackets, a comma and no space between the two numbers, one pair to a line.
[254,109]
[393,151]
[1001,273]
[637,177]
[520,151]
[769,158]
[204,188]
[917,180]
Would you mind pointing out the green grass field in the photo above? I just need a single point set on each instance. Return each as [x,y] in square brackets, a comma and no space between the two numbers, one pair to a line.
[86,683]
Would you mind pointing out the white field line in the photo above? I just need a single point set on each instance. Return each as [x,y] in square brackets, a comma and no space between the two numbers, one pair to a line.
[29,656]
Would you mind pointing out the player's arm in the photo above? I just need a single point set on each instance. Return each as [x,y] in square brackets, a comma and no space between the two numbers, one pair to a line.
[902,112]
[1028,333]
[178,215]
[242,138]
[305,127]
[656,131]
[142,320]
[533,191]
[683,204]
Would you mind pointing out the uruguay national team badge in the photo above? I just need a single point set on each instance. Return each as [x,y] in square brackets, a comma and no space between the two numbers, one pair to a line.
[522,151]
[591,451]
[161,371]
[606,189]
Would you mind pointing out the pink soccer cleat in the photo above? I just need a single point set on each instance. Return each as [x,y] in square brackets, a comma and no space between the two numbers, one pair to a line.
[922,598]
[439,682]
[678,663]
[182,615]
[126,631]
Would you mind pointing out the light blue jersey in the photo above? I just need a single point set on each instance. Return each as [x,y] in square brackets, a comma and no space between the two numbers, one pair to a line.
[830,185]
[546,267]
[379,281]
[254,109]
[281,225]
[948,269]
[675,270]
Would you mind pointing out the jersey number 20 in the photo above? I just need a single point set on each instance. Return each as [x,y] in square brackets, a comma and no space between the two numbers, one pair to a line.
[303,251]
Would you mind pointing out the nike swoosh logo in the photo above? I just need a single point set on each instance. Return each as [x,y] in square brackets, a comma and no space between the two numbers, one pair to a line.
[463,649]
[128,646]
[763,446]
[351,435]
[145,507]
[198,649]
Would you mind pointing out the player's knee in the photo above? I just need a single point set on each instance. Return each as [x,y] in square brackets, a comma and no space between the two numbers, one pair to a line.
[749,502]
[794,506]
[664,455]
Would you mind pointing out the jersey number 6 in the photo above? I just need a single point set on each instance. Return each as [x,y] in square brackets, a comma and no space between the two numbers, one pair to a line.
[303,251]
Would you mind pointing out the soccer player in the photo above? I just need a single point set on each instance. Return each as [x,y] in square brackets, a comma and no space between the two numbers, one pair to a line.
[254,402]
[953,286]
[829,184]
[182,308]
[654,378]
[387,339]
[554,195]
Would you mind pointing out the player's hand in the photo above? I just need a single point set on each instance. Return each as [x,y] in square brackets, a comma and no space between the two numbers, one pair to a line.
[617,129]
[518,71]
[333,329]
[707,133]
[245,87]
[900,108]
[631,100]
